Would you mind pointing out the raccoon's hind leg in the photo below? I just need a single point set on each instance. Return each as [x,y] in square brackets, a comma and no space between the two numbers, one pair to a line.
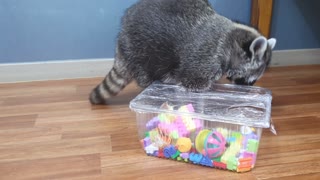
[117,79]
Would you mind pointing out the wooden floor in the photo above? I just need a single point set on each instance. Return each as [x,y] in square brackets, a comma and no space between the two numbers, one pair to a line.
[48,130]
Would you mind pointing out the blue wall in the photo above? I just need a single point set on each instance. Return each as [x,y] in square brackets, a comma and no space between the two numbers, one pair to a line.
[39,30]
[239,10]
[296,24]
[44,30]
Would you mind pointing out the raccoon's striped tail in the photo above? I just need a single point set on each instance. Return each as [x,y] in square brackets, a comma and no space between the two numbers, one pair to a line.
[112,84]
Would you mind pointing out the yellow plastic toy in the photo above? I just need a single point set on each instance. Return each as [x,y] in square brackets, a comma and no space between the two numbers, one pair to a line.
[184,144]
[200,140]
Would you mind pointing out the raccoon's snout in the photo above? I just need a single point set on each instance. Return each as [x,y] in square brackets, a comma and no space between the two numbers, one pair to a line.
[242,81]
[252,83]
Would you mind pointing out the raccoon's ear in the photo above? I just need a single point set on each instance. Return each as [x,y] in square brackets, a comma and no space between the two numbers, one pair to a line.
[272,43]
[259,46]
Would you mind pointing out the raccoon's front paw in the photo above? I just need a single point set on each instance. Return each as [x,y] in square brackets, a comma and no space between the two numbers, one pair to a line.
[196,83]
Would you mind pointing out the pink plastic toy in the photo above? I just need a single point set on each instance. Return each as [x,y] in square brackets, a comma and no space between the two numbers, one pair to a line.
[215,145]
[178,126]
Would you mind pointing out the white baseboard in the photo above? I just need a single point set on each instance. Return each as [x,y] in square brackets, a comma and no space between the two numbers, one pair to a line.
[54,70]
[296,57]
[87,68]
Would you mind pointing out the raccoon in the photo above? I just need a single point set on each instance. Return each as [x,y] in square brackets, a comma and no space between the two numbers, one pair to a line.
[183,42]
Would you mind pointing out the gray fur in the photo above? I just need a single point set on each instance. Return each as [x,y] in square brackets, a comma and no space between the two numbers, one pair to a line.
[184,42]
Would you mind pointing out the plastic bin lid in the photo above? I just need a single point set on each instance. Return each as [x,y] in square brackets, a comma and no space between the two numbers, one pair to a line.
[242,105]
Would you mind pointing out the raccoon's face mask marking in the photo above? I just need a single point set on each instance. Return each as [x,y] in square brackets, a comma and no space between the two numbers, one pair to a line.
[249,63]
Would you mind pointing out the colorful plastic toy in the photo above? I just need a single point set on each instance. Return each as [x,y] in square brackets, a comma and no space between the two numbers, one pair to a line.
[245,164]
[184,157]
[252,145]
[153,123]
[195,158]
[184,144]
[215,145]
[183,138]
[146,141]
[206,161]
[169,151]
[200,140]
[246,130]
[171,127]
[160,153]
[219,165]
[232,164]
[251,136]
[211,144]
[151,149]
[249,155]
[175,155]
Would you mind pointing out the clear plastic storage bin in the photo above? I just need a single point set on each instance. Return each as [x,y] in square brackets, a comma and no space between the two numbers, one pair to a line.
[219,128]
